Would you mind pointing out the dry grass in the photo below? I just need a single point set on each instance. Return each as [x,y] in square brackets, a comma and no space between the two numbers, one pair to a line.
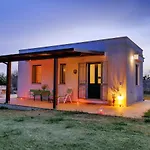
[147,96]
[45,130]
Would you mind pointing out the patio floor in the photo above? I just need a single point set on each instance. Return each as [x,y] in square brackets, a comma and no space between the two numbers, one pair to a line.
[134,111]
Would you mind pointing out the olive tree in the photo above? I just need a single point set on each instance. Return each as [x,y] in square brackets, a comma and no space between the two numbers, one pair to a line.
[3,79]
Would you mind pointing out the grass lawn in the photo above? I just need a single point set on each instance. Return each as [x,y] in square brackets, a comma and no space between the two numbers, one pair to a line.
[46,130]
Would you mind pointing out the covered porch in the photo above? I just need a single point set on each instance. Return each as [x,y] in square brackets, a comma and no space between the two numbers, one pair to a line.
[54,55]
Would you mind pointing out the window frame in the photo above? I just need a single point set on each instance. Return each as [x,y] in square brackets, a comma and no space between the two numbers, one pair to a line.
[62,74]
[137,74]
[34,75]
[82,70]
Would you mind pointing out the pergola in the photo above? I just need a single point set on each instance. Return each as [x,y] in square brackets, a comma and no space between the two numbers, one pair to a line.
[48,54]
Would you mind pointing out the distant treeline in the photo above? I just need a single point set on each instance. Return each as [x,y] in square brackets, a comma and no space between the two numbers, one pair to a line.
[14,79]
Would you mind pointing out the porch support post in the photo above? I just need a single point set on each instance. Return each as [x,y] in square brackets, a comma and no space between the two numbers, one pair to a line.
[55,84]
[8,84]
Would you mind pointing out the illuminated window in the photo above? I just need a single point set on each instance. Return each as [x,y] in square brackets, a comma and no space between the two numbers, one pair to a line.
[137,72]
[99,74]
[36,74]
[92,73]
[62,73]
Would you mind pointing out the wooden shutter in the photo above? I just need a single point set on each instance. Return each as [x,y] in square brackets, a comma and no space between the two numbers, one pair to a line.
[82,80]
[33,74]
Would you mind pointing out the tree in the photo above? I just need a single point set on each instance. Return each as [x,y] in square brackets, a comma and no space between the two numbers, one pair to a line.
[146,77]
[14,79]
[3,79]
[146,84]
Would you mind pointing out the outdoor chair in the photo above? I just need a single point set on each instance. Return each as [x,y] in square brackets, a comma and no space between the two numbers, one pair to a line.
[51,96]
[66,97]
[35,93]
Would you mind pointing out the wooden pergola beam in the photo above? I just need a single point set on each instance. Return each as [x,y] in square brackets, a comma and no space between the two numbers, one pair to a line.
[45,55]
[5,63]
[8,84]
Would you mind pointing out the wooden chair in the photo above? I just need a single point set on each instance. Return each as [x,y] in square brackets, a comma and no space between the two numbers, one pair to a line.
[66,97]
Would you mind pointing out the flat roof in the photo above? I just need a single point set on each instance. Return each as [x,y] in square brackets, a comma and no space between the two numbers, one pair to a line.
[97,45]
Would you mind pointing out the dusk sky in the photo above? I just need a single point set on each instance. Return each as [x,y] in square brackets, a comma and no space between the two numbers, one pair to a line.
[34,23]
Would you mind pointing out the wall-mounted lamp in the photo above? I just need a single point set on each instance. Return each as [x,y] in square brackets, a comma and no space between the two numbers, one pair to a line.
[75,71]
[120,100]
[136,56]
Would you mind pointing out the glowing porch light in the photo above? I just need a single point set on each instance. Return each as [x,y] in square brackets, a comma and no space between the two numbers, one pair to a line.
[100,111]
[78,103]
[120,100]
[136,56]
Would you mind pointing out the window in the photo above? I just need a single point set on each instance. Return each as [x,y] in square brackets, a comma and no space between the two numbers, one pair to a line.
[92,73]
[137,74]
[99,73]
[36,74]
[62,73]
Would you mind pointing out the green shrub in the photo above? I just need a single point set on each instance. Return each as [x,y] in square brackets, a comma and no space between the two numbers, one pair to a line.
[147,114]
[147,120]
[2,107]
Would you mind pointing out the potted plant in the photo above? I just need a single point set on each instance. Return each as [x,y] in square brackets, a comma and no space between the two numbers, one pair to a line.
[44,87]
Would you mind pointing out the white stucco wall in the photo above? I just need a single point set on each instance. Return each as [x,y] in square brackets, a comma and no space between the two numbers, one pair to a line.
[117,64]
[114,73]
[25,74]
[134,92]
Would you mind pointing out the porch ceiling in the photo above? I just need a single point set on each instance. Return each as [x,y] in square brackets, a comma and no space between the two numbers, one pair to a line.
[61,53]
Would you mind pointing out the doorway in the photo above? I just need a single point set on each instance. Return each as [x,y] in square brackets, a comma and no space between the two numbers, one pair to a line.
[94,80]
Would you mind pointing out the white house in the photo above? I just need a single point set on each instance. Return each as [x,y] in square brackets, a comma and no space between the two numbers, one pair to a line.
[97,71]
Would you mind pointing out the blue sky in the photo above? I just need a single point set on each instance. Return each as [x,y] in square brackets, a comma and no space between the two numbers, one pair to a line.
[33,23]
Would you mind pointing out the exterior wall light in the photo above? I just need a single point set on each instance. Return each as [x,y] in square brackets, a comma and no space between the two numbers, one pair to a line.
[75,71]
[136,56]
[120,100]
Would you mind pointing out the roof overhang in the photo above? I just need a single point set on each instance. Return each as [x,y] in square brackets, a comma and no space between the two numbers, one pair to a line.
[61,53]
